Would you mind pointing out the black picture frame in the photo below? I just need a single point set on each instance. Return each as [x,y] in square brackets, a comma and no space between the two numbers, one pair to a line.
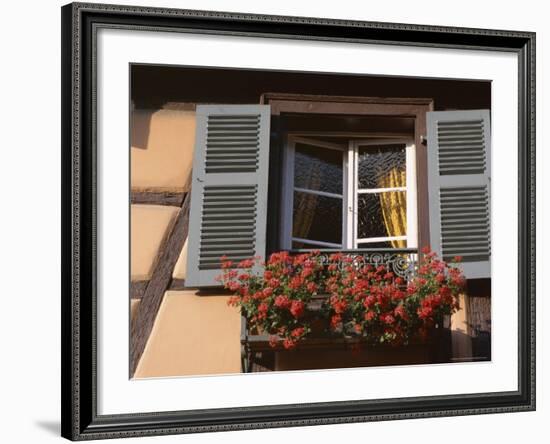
[79,207]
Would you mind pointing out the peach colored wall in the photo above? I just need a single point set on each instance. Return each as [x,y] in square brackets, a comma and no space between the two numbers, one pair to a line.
[181,264]
[192,335]
[162,149]
[150,225]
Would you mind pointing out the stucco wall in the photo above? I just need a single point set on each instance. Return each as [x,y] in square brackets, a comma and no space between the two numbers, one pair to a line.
[162,149]
[150,225]
[192,335]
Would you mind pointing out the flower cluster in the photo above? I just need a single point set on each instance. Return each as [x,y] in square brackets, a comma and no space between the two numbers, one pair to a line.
[372,303]
[361,300]
[274,297]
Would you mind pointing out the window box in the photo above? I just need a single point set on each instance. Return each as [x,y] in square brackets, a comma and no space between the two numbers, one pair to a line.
[360,301]
[324,350]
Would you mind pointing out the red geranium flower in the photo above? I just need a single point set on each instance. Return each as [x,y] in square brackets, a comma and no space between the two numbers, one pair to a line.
[297,308]
[297,332]
[369,301]
[335,321]
[296,282]
[425,312]
[246,263]
[282,301]
[370,315]
[262,311]
[289,343]
[401,312]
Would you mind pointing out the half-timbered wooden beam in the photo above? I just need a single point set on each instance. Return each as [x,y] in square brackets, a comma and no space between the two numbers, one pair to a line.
[169,198]
[160,280]
[137,289]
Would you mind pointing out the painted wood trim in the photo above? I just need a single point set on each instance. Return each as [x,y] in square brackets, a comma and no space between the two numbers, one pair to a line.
[422,196]
[160,280]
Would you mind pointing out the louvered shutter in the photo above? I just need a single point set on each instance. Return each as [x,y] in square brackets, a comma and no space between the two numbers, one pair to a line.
[229,189]
[459,147]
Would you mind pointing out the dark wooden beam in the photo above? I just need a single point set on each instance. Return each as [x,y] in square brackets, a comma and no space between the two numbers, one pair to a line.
[160,280]
[168,198]
[359,109]
[137,289]
[270,97]
[365,106]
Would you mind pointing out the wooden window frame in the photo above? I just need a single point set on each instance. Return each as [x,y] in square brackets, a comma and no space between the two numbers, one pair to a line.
[416,108]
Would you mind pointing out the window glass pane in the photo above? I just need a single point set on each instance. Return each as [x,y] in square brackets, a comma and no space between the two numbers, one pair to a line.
[382,166]
[382,214]
[317,218]
[318,169]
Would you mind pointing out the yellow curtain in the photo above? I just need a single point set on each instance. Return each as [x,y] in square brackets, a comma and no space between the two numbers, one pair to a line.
[306,204]
[394,206]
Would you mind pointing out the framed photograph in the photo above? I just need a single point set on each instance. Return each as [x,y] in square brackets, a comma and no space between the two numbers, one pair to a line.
[280,221]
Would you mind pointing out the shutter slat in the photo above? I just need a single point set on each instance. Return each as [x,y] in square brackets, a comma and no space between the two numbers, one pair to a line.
[459,188]
[229,189]
[232,144]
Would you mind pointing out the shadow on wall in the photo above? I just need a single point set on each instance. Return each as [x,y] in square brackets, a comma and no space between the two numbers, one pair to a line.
[162,143]
[140,128]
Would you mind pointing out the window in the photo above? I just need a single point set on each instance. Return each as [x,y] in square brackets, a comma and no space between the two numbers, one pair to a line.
[349,194]
[339,193]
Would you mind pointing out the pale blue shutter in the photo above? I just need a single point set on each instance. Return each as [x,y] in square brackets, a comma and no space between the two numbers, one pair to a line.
[459,168]
[229,189]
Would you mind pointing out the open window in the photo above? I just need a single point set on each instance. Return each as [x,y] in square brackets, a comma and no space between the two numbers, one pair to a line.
[350,194]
